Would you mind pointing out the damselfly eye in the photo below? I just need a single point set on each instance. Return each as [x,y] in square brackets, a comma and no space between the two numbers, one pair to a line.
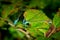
[25,22]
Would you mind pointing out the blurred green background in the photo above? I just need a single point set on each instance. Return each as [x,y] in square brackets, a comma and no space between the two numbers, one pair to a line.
[29,19]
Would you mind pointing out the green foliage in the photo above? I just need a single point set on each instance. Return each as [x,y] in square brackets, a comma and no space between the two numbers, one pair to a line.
[56,20]
[1,23]
[56,36]
[38,21]
[15,33]
[32,12]
[39,3]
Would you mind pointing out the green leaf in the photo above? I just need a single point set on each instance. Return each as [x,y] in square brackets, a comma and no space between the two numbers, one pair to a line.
[56,20]
[43,38]
[8,10]
[56,36]
[39,3]
[15,33]
[2,23]
[38,21]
